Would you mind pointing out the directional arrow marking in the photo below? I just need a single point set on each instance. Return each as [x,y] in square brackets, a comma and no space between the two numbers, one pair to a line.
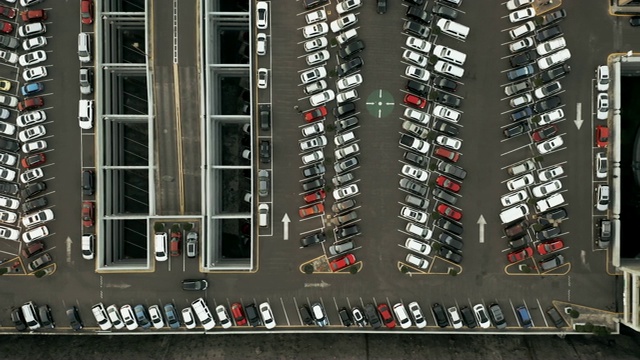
[481,223]
[578,121]
[68,242]
[285,223]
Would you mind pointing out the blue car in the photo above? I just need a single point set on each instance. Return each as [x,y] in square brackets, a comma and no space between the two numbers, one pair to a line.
[31,89]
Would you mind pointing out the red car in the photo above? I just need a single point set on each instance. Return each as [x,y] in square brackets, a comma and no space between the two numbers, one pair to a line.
[311,210]
[446,154]
[238,314]
[315,114]
[448,211]
[602,136]
[415,101]
[550,246]
[545,133]
[86,11]
[33,15]
[33,160]
[6,27]
[343,262]
[447,183]
[87,213]
[315,196]
[520,255]
[31,103]
[7,12]
[387,318]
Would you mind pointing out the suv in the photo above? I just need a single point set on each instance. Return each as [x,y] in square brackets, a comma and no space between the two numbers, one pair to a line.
[552,262]
[305,315]
[347,231]
[372,315]
[415,28]
[452,170]
[349,67]
[555,73]
[440,315]
[517,88]
[34,205]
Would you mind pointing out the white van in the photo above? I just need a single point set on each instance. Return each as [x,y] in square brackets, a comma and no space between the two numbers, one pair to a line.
[514,213]
[30,315]
[446,68]
[452,28]
[263,215]
[346,36]
[85,114]
[550,202]
[161,246]
[84,47]
[449,54]
[87,246]
[346,151]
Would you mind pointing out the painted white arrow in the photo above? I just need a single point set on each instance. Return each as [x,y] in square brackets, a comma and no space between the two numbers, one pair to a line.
[481,223]
[578,121]
[285,223]
[69,242]
[321,284]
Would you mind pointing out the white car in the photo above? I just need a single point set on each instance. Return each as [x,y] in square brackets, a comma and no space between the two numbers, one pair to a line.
[313,75]
[223,317]
[8,159]
[6,128]
[602,197]
[313,129]
[203,314]
[514,198]
[322,98]
[522,30]
[417,246]
[31,118]
[520,182]
[263,77]
[415,173]
[188,319]
[417,261]
[417,73]
[315,44]
[514,4]
[34,43]
[446,113]
[315,156]
[32,133]
[552,173]
[314,30]
[114,316]
[316,142]
[100,314]
[348,5]
[8,217]
[547,90]
[551,46]
[30,175]
[418,44]
[603,106]
[521,44]
[9,233]
[346,191]
[554,59]
[546,188]
[417,315]
[8,203]
[28,30]
[415,58]
[32,58]
[267,315]
[314,17]
[35,234]
[417,116]
[520,15]
[128,318]
[413,215]
[521,100]
[34,146]
[446,68]
[401,315]
[346,36]
[262,14]
[602,165]
[551,116]
[481,316]
[349,82]
[449,142]
[454,316]
[602,77]
[348,95]
[35,73]
[9,56]
[343,23]
[550,145]
[261,44]
[317,57]
[156,317]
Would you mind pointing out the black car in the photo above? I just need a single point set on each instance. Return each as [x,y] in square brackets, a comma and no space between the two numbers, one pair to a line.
[524,113]
[419,14]
[445,127]
[440,315]
[372,315]
[452,170]
[310,4]
[468,318]
[548,33]
[446,99]
[305,315]
[46,319]
[634,21]
[18,319]
[517,129]
[417,88]
[36,188]
[8,188]
[349,67]
[343,205]
[344,110]
[347,231]
[552,216]
[444,195]
[520,242]
[313,170]
[345,317]
[419,160]
[252,315]
[382,6]
[313,185]
[548,104]
[450,255]
[416,29]
[444,11]
[445,84]
[35,204]
[74,318]
[552,17]
[265,117]
[87,183]
[351,49]
[450,241]
[548,233]
[555,73]
[523,58]
[9,144]
[415,2]
[606,233]
[342,125]
[450,226]
[313,239]
[195,284]
[413,187]
[265,151]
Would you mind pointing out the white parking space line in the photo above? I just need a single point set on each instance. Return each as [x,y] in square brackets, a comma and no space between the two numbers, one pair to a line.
[516,149]
[546,324]
[285,311]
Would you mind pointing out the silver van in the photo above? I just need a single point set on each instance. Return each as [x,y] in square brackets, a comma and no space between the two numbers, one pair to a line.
[30,315]
[340,248]
[84,47]
[161,246]
[514,213]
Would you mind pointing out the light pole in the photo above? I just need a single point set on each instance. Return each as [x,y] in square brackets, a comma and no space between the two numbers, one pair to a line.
[136,45]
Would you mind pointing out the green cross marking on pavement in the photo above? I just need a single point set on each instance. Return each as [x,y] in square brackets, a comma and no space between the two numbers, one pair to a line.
[380,103]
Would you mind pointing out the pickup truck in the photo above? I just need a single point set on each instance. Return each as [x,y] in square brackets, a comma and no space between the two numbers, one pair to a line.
[414,144]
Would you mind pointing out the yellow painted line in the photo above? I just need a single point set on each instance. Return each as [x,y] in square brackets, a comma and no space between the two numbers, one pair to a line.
[176,92]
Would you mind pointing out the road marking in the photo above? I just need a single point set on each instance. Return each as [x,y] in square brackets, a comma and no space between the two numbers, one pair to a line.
[285,223]
[69,242]
[321,284]
[175,31]
[481,223]
[578,121]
